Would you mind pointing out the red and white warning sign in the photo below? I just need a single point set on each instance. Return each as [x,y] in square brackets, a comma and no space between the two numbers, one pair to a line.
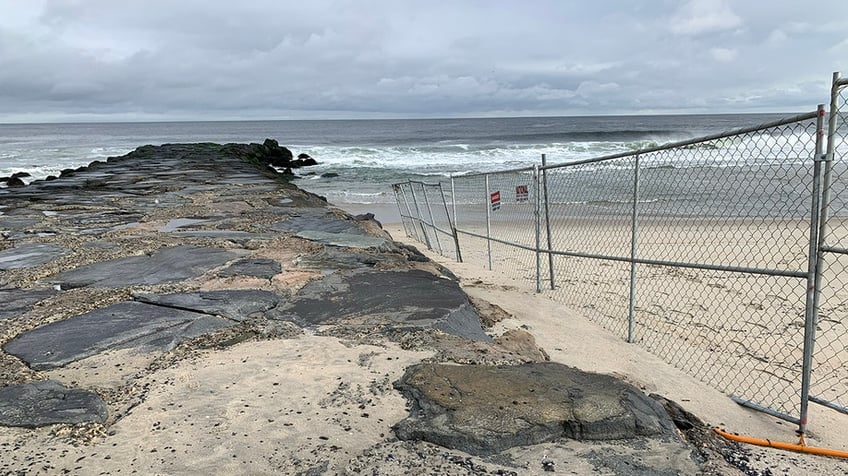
[521,193]
[496,200]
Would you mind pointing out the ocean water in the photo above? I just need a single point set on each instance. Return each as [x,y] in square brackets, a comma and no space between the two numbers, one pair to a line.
[370,155]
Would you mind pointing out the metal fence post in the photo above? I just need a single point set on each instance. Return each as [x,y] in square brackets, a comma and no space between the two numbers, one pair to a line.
[409,210]
[432,219]
[829,160]
[634,228]
[395,188]
[488,222]
[454,224]
[548,221]
[537,215]
[811,313]
[420,220]
[831,145]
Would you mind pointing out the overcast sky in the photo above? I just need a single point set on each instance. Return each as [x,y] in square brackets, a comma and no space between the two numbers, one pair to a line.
[113,60]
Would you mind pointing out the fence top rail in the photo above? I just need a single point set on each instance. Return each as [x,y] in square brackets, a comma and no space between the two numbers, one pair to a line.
[437,184]
[495,172]
[688,142]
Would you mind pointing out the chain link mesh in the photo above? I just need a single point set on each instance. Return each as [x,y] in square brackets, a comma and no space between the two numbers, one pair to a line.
[830,377]
[590,213]
[719,268]
[425,216]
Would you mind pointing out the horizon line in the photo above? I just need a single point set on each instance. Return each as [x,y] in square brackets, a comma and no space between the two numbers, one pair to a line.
[556,116]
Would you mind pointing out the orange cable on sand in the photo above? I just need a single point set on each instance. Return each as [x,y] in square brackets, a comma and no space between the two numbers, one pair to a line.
[799,447]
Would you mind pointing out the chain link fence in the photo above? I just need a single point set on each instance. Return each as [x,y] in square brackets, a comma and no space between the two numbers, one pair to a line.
[425,216]
[709,253]
[829,384]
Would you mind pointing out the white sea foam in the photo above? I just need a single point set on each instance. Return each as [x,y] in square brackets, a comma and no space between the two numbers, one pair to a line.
[369,156]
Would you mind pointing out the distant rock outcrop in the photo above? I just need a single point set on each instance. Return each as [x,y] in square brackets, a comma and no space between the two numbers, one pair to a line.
[276,155]
[15,182]
[304,160]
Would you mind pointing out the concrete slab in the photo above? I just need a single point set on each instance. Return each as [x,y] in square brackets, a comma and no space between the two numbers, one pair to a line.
[486,409]
[165,265]
[122,325]
[48,402]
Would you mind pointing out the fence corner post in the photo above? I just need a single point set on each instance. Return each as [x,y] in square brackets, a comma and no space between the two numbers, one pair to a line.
[537,216]
[546,202]
[813,278]
[488,203]
[634,228]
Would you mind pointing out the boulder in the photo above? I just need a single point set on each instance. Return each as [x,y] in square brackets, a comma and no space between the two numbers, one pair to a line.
[276,155]
[15,182]
[487,409]
[304,160]
[271,144]
[21,175]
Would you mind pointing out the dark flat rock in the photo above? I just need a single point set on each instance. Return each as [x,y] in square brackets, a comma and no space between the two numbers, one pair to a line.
[28,255]
[165,265]
[178,223]
[14,302]
[402,299]
[236,305]
[332,259]
[345,240]
[323,221]
[122,325]
[36,404]
[257,268]
[18,223]
[233,235]
[485,410]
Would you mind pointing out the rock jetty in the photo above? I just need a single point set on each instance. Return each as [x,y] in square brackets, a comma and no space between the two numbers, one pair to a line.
[184,308]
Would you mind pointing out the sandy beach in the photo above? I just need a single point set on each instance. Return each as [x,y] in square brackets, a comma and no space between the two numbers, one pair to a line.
[683,316]
[738,326]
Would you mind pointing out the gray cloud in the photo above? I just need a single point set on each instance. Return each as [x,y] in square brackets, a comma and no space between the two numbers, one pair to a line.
[157,59]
